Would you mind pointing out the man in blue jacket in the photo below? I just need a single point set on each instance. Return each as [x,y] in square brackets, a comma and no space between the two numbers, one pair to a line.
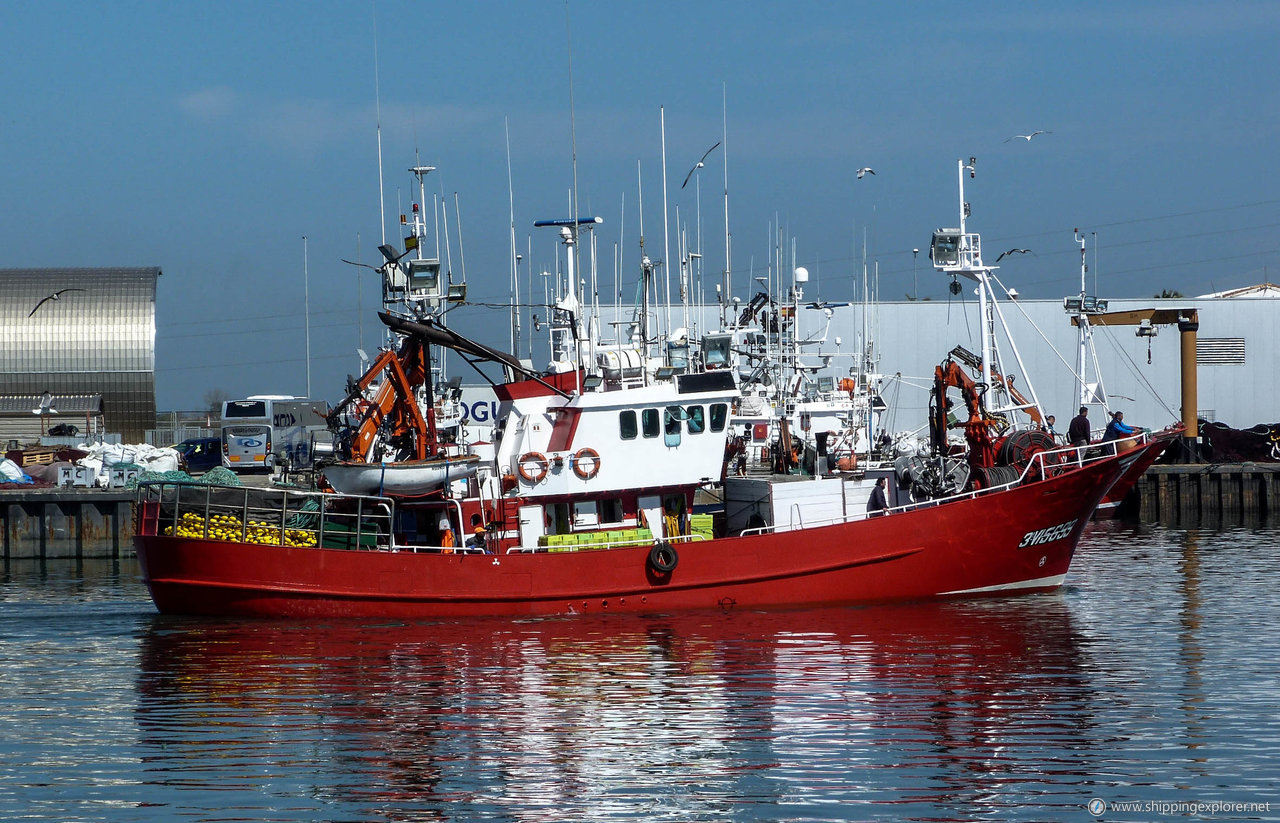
[1117,428]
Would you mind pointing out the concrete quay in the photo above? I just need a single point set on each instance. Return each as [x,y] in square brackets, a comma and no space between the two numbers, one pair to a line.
[1209,490]
[62,523]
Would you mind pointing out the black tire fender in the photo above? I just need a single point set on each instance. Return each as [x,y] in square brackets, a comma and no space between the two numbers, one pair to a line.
[663,557]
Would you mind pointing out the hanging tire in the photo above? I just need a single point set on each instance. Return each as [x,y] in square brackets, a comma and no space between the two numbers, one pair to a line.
[663,557]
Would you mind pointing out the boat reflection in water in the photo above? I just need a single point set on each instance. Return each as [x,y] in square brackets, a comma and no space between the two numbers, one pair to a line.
[695,716]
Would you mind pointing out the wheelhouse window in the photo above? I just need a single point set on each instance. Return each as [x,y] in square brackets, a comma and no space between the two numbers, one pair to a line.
[649,421]
[671,417]
[627,424]
[719,416]
[695,421]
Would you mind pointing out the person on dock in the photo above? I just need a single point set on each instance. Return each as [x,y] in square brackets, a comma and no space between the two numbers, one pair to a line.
[1078,429]
[1117,429]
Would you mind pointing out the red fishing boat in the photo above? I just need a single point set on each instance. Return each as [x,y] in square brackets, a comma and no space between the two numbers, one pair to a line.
[592,495]
[1015,538]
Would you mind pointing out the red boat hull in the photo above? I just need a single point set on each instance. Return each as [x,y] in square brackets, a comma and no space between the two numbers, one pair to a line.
[1021,539]
[1109,506]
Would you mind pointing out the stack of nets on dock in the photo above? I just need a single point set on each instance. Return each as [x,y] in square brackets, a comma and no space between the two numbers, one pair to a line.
[217,476]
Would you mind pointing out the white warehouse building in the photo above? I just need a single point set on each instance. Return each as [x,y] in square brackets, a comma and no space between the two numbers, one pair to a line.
[1236,346]
[1238,354]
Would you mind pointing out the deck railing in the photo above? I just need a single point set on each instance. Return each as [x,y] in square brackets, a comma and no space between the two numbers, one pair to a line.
[284,517]
[1041,465]
[271,516]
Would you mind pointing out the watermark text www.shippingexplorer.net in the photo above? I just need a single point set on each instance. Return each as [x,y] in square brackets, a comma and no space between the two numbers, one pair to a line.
[1098,807]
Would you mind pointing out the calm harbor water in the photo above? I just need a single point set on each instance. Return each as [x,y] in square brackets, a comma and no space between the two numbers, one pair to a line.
[1151,679]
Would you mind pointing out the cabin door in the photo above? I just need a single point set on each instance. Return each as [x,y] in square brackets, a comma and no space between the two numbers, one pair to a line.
[532,525]
[651,508]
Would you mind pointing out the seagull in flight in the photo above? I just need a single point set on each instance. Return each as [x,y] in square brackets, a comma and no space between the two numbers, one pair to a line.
[865,170]
[1027,137]
[688,176]
[57,295]
[1005,254]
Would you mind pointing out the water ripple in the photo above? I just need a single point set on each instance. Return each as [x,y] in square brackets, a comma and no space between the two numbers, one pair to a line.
[1150,677]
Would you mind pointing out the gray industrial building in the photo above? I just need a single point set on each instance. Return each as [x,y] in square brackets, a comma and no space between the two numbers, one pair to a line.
[77,348]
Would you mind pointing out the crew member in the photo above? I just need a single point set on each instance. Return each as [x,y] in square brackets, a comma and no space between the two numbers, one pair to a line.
[1117,428]
[478,531]
[877,503]
[1078,429]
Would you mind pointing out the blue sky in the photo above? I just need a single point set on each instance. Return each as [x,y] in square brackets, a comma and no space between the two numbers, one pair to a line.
[208,139]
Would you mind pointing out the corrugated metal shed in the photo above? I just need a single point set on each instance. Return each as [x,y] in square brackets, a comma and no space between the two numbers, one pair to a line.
[97,336]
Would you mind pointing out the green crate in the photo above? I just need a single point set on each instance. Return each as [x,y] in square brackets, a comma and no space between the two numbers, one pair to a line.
[342,536]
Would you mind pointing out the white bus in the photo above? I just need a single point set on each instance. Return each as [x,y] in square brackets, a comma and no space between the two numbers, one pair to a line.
[266,430]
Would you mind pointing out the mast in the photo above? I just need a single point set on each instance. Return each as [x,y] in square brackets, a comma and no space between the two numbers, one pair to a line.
[959,253]
[1083,325]
[972,245]
[1079,308]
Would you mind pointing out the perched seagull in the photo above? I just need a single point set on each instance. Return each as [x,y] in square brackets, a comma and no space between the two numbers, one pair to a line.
[699,164]
[54,296]
[1004,254]
[1027,137]
[865,170]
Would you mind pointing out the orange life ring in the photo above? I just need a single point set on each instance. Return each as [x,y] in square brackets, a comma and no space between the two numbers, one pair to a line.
[592,457]
[535,472]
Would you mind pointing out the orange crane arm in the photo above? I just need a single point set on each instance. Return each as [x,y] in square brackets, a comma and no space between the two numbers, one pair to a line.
[395,401]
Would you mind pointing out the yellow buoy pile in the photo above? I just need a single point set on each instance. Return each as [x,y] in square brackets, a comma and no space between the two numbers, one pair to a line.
[229,527]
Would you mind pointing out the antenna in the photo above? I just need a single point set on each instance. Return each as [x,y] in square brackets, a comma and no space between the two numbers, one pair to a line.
[617,268]
[666,225]
[377,96]
[462,255]
[529,291]
[573,130]
[724,141]
[306,308]
[359,294]
[515,258]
